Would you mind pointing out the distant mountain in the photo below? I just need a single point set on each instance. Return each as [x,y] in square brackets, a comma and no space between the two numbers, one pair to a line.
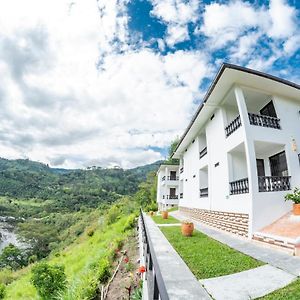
[23,178]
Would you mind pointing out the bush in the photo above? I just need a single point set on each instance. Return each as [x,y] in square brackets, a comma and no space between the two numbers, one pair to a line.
[2,291]
[113,215]
[130,222]
[104,270]
[49,280]
[90,232]
[295,196]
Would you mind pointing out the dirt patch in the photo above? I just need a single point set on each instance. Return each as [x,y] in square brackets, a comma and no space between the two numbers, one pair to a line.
[126,282]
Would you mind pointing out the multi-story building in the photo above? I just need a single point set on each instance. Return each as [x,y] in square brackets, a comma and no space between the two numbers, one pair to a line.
[167,186]
[240,154]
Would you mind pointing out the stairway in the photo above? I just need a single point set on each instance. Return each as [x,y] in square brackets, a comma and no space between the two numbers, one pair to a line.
[284,233]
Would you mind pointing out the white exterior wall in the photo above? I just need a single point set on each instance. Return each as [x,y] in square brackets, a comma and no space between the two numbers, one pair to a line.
[263,207]
[163,186]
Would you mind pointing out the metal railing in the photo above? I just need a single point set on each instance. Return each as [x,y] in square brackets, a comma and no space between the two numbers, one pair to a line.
[233,126]
[172,196]
[264,121]
[181,195]
[156,285]
[173,178]
[203,192]
[203,152]
[240,186]
[273,183]
[181,170]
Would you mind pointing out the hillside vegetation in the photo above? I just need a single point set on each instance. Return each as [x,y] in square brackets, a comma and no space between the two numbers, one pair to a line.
[73,218]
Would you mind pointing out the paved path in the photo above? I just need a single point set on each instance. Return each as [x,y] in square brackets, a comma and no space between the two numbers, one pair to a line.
[281,268]
[180,282]
[168,225]
[247,285]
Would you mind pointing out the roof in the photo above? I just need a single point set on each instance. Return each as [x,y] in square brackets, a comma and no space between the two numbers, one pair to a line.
[235,68]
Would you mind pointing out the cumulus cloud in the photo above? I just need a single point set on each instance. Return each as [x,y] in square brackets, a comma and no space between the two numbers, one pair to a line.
[176,14]
[58,106]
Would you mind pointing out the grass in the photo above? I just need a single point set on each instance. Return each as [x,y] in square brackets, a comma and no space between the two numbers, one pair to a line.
[206,257]
[290,292]
[160,220]
[82,261]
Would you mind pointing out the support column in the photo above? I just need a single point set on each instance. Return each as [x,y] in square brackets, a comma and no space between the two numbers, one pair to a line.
[250,153]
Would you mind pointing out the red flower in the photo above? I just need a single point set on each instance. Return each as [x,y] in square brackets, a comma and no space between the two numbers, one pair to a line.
[142,269]
[126,259]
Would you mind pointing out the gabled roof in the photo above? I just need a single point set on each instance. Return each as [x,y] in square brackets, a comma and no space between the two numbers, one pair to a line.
[227,76]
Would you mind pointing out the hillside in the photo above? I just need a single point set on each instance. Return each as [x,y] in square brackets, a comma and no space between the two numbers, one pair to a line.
[69,189]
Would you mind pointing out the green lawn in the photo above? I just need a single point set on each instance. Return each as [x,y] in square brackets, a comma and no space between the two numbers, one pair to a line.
[290,292]
[160,220]
[206,257]
[173,209]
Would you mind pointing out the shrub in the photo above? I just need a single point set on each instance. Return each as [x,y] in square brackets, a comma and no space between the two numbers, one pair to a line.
[295,196]
[90,232]
[49,280]
[32,259]
[2,291]
[113,215]
[130,222]
[104,270]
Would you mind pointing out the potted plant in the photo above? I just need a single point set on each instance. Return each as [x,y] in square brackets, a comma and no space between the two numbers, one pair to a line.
[151,213]
[295,197]
[187,228]
[165,214]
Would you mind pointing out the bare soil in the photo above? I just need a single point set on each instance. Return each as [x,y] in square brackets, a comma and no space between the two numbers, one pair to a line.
[127,278]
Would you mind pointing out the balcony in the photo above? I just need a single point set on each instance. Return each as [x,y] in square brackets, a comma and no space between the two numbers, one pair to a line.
[273,183]
[173,197]
[264,121]
[204,192]
[171,178]
[233,126]
[203,152]
[240,186]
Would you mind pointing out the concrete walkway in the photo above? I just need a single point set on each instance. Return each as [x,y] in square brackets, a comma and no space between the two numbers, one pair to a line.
[249,284]
[180,282]
[281,268]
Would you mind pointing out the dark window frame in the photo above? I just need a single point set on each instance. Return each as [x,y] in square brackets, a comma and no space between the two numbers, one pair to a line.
[273,168]
[260,160]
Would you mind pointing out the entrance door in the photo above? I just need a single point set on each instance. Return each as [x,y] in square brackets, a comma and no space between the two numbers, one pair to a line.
[172,193]
[172,175]
[260,167]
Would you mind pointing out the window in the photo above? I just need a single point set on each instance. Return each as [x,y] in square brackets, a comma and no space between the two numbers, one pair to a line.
[260,167]
[269,110]
[278,164]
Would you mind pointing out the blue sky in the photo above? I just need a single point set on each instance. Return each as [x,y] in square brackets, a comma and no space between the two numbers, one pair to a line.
[113,82]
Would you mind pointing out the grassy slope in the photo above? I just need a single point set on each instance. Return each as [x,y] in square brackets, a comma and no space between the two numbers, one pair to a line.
[206,257]
[80,260]
[160,220]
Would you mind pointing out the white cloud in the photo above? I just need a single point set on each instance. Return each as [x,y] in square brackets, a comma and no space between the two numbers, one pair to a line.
[283,19]
[176,14]
[56,107]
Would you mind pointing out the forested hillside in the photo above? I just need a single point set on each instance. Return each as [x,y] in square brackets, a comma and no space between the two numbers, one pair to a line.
[76,218]
[68,189]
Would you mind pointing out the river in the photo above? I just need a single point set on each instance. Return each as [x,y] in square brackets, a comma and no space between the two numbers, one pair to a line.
[7,235]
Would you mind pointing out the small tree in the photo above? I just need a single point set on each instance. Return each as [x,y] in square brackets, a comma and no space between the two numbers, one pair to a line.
[12,257]
[49,280]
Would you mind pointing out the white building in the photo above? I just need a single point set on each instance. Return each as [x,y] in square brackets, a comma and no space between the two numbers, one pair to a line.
[240,153]
[167,186]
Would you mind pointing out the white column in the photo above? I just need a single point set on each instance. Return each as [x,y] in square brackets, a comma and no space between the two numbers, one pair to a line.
[250,152]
